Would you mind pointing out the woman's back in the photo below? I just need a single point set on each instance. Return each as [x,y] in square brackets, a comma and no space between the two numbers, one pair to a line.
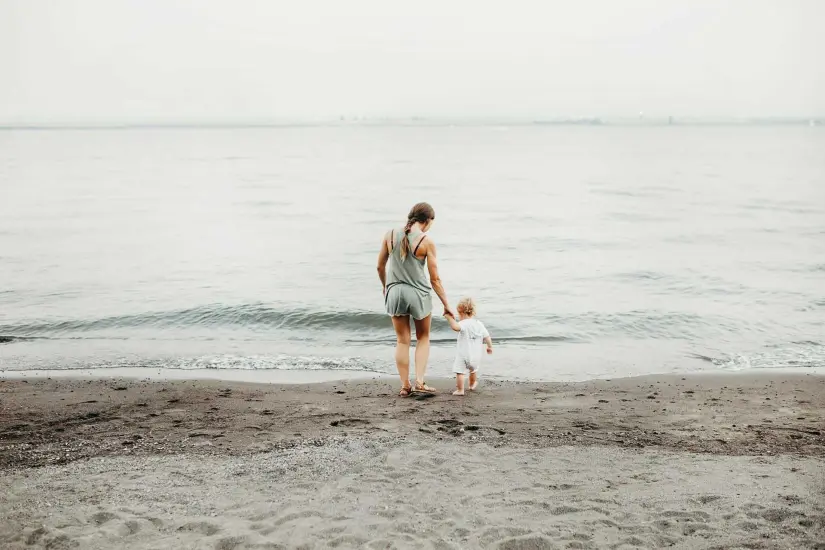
[410,269]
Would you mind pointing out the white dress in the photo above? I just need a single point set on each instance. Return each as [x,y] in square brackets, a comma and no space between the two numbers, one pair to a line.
[470,345]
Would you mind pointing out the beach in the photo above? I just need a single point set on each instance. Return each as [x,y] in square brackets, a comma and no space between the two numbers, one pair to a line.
[223,227]
[683,461]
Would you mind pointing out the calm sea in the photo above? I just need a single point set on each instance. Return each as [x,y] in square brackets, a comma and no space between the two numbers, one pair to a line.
[591,251]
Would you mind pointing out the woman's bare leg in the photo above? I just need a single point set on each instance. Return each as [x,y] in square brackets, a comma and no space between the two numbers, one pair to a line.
[422,347]
[401,324]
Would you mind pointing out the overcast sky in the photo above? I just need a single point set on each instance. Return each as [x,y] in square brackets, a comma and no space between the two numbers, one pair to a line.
[103,60]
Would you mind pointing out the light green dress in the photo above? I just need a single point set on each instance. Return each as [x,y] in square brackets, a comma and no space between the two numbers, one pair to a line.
[408,283]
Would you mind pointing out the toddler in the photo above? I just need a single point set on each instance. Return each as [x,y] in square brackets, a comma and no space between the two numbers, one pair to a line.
[472,334]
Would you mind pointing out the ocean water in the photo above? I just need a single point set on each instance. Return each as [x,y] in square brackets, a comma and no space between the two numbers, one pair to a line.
[591,251]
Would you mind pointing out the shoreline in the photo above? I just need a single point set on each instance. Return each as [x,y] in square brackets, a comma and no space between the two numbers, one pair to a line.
[319,376]
[252,376]
[691,461]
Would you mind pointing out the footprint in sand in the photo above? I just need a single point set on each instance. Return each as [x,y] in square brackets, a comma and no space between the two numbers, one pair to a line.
[492,535]
[299,515]
[632,541]
[690,528]
[529,542]
[348,541]
[230,543]
[678,515]
[563,510]
[349,422]
[131,527]
[35,536]
[778,515]
[201,527]
[102,517]
[61,542]
[156,522]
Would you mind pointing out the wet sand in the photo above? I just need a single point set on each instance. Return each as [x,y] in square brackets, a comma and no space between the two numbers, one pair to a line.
[710,461]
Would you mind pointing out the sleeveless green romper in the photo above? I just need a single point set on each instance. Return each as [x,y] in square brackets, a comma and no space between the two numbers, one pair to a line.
[408,285]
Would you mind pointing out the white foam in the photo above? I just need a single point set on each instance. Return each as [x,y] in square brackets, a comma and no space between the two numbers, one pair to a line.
[271,376]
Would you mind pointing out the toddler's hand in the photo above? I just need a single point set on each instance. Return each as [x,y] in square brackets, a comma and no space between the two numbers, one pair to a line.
[489,351]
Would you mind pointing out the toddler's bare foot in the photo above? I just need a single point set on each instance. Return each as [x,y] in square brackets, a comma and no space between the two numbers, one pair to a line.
[458,392]
[473,381]
[473,386]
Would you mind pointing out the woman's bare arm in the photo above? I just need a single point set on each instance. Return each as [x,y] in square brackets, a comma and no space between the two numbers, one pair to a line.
[383,258]
[435,279]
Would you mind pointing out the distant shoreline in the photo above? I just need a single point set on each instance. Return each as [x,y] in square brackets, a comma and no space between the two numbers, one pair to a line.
[434,122]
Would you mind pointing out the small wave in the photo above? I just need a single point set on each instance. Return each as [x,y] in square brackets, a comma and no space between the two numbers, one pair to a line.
[650,324]
[498,339]
[11,339]
[254,317]
[256,321]
[361,326]
[701,357]
[240,362]
[249,316]
[642,275]
[799,355]
[808,343]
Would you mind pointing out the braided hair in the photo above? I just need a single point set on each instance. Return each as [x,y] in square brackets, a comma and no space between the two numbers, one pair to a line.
[420,213]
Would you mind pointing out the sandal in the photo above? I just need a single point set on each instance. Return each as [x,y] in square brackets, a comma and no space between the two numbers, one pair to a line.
[423,388]
[405,392]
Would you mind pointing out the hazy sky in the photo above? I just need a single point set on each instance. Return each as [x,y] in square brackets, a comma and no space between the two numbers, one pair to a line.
[99,60]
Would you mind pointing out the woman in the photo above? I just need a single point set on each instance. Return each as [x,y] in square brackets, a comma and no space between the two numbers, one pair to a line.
[407,291]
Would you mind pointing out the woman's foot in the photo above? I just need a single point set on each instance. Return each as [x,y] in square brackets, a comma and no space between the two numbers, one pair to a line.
[423,388]
[458,392]
[405,391]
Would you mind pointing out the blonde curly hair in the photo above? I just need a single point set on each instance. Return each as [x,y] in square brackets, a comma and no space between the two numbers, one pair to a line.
[467,306]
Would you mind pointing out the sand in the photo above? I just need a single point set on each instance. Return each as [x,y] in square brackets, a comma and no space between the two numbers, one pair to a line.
[663,461]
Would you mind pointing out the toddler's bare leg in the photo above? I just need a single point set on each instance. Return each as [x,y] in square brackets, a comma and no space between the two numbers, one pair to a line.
[459,384]
[473,380]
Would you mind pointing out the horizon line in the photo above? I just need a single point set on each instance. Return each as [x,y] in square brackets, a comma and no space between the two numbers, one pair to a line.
[641,120]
